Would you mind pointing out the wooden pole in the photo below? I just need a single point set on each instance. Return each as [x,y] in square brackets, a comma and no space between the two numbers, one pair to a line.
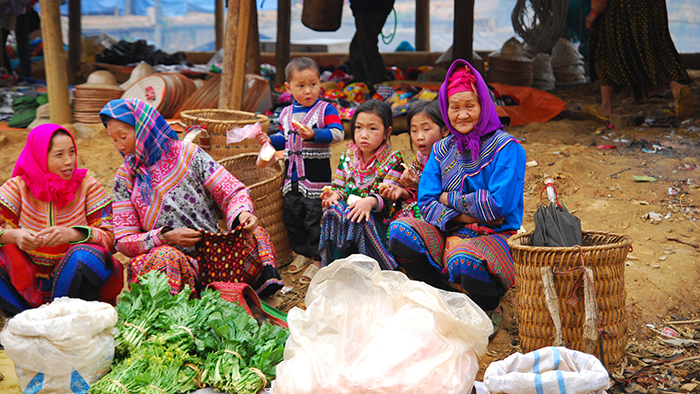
[74,40]
[282,48]
[423,25]
[253,41]
[462,47]
[219,23]
[56,76]
[235,43]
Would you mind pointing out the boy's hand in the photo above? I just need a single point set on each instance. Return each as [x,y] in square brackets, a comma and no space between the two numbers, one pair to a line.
[361,209]
[409,179]
[329,198]
[262,138]
[306,132]
[393,193]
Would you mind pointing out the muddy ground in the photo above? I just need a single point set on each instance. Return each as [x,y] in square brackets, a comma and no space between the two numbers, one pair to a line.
[594,182]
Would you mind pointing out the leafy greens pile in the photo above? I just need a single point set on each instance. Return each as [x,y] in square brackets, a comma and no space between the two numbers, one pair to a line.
[173,344]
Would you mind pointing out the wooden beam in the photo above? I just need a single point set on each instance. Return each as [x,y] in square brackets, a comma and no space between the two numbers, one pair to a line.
[423,25]
[74,40]
[219,23]
[235,43]
[462,46]
[253,41]
[56,76]
[282,48]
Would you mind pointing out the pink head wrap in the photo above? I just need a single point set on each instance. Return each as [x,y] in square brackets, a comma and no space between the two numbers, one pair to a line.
[462,80]
[32,167]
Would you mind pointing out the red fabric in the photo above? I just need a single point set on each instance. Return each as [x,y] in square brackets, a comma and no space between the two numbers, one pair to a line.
[22,271]
[462,80]
[226,257]
[32,167]
[535,105]
[237,292]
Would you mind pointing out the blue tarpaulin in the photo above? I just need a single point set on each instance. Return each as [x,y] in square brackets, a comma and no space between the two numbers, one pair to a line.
[169,7]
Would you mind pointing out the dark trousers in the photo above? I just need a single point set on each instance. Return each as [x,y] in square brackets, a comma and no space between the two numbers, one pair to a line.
[302,218]
[366,64]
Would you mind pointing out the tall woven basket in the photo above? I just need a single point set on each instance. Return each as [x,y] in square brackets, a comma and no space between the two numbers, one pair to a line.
[537,268]
[265,190]
[218,121]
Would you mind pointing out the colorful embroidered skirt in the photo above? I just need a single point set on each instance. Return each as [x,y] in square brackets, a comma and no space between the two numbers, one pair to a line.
[21,288]
[181,269]
[480,264]
[340,235]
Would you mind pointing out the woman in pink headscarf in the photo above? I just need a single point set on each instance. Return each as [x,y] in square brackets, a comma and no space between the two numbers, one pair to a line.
[470,196]
[55,228]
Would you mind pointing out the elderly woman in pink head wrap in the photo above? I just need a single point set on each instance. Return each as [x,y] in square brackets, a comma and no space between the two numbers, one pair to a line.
[55,228]
[470,197]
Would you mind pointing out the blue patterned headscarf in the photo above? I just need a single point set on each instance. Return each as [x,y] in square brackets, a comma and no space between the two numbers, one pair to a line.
[152,136]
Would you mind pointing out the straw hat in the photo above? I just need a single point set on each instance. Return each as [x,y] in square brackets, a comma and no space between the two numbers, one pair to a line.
[101,79]
[140,71]
[511,50]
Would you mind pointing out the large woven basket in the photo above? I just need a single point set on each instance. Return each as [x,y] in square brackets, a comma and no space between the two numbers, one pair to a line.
[218,121]
[603,253]
[265,186]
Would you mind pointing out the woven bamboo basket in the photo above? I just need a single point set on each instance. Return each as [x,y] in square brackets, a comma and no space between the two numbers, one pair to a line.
[604,253]
[218,121]
[265,186]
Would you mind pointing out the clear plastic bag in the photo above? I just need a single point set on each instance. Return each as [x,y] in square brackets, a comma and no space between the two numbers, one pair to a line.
[266,155]
[63,346]
[370,331]
[547,370]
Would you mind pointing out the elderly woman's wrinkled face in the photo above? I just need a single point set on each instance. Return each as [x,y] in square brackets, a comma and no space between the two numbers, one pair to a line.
[123,135]
[60,159]
[463,111]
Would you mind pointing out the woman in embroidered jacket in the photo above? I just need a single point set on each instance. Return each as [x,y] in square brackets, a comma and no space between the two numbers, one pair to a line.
[166,191]
[55,228]
[470,196]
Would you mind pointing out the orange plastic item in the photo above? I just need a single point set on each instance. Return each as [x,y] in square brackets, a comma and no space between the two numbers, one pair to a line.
[535,105]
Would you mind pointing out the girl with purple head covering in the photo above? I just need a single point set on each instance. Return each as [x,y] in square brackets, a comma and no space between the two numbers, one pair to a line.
[470,197]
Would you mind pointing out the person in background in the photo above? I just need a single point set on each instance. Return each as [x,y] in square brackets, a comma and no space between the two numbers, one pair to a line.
[357,216]
[308,128]
[55,228]
[631,45]
[366,63]
[470,197]
[166,191]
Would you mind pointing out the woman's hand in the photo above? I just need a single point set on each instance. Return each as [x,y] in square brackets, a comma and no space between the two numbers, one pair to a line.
[184,237]
[443,199]
[248,220]
[361,209]
[393,193]
[329,198]
[262,138]
[58,235]
[589,21]
[409,179]
[23,238]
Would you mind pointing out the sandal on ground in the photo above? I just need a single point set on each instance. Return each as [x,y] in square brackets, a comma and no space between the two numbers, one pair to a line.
[592,109]
[496,319]
[684,104]
[308,274]
[298,264]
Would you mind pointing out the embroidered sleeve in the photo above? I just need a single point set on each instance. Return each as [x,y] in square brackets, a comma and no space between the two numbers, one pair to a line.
[98,208]
[130,238]
[504,197]
[340,177]
[429,190]
[232,196]
[478,204]
[10,205]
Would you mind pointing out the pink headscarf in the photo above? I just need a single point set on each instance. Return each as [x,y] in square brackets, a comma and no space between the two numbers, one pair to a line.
[460,81]
[32,167]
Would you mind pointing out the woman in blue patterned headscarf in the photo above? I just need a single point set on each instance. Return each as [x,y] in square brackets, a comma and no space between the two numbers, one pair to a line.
[168,190]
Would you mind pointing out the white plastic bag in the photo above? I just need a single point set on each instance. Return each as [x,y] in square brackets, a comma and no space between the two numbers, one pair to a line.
[370,331]
[550,370]
[61,347]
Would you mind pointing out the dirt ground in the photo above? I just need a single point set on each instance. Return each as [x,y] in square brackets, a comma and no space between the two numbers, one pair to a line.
[597,185]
